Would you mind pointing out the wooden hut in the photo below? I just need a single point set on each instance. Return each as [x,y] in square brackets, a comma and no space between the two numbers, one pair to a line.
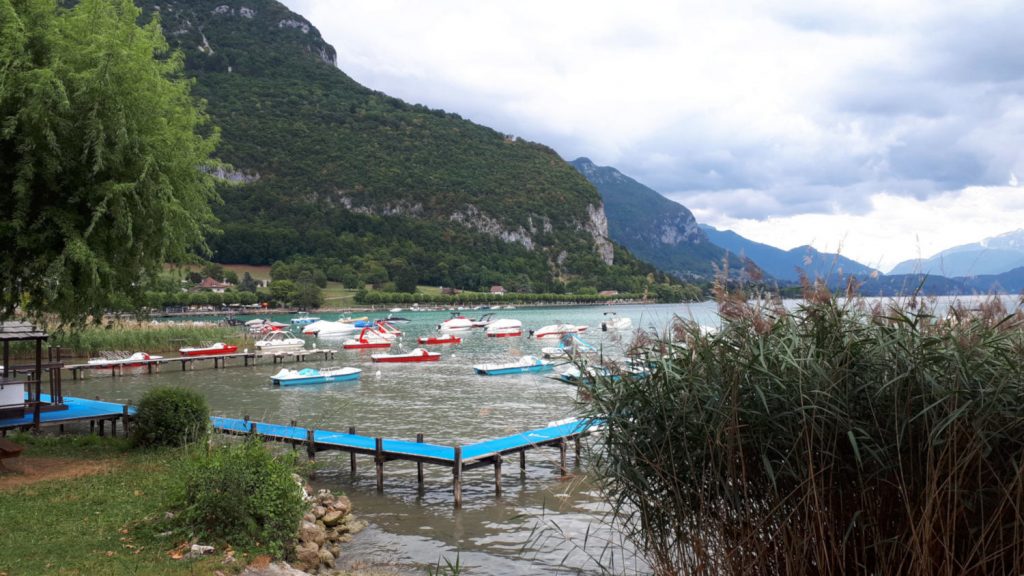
[18,396]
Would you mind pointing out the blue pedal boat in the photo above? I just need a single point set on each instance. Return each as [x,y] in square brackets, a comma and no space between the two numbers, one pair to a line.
[288,377]
[526,363]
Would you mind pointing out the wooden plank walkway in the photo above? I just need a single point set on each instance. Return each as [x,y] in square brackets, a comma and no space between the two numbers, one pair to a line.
[117,367]
[458,458]
[78,410]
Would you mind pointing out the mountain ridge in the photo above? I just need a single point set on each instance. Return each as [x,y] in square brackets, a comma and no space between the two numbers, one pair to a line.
[990,256]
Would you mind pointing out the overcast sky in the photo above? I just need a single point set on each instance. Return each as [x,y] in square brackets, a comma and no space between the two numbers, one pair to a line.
[886,128]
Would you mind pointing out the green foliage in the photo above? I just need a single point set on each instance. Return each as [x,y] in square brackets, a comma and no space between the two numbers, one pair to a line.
[355,177]
[841,437]
[244,495]
[105,157]
[170,416]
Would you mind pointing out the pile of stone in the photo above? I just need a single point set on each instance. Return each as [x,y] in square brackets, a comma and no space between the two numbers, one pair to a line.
[328,524]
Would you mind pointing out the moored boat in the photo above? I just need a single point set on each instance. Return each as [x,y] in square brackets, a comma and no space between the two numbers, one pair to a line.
[287,377]
[328,328]
[439,339]
[211,350]
[368,339]
[528,363]
[569,346]
[131,361]
[415,355]
[280,341]
[456,324]
[504,328]
[303,319]
[483,321]
[557,330]
[613,322]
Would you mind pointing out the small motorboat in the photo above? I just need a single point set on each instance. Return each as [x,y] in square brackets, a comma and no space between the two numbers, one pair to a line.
[504,328]
[528,363]
[280,341]
[368,339]
[416,355]
[439,339]
[392,319]
[211,350]
[483,321]
[131,361]
[613,322]
[558,330]
[570,346]
[288,377]
[303,319]
[327,328]
[456,324]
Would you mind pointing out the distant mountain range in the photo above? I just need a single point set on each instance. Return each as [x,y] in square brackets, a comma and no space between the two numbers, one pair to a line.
[991,256]
[786,264]
[654,228]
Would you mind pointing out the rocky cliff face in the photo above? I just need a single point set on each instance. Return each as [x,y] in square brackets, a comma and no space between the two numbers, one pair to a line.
[651,226]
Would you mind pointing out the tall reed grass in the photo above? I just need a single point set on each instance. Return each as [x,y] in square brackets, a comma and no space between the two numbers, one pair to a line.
[842,437]
[133,336]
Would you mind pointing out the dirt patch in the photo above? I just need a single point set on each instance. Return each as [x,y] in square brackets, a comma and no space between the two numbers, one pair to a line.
[23,471]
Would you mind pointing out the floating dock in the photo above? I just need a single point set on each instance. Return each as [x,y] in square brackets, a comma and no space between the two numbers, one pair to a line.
[458,458]
[117,367]
[383,450]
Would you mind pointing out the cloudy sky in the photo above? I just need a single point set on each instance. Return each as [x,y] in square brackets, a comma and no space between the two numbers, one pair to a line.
[887,129]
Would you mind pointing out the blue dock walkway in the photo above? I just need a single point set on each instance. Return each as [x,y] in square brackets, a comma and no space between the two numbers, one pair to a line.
[458,458]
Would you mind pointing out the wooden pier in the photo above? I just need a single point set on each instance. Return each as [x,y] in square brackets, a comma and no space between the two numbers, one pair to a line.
[118,366]
[458,458]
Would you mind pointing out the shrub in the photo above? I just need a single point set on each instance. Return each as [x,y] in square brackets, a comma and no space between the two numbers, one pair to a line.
[841,437]
[244,495]
[171,417]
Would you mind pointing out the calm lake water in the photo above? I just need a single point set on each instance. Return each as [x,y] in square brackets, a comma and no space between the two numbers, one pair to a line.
[542,524]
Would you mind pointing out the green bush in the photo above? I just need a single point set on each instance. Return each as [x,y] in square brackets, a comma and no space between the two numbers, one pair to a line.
[244,495]
[171,417]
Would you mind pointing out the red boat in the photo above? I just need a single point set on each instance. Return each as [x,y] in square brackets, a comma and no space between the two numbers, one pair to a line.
[441,339]
[385,327]
[211,350]
[368,339]
[417,355]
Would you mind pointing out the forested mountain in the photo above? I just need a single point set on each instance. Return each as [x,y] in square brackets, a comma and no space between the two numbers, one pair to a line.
[991,256]
[325,167]
[654,228]
[786,264]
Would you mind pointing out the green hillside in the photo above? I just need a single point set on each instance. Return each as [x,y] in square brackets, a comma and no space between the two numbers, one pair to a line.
[328,168]
[651,226]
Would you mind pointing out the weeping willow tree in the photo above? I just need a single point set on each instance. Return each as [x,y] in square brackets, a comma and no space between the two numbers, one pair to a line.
[104,158]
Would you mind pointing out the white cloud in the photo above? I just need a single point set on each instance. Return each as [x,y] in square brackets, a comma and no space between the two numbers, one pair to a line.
[793,119]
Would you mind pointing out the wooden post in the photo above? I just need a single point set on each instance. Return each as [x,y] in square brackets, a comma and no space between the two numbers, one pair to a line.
[182,365]
[310,445]
[149,367]
[379,459]
[522,460]
[294,443]
[252,429]
[124,418]
[561,459]
[419,465]
[578,449]
[497,475]
[352,455]
[102,423]
[457,477]
[113,427]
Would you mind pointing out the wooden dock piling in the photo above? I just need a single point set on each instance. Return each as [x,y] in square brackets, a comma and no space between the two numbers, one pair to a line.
[379,459]
[457,476]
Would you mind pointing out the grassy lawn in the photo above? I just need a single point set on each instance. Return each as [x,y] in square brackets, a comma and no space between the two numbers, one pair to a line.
[337,296]
[88,505]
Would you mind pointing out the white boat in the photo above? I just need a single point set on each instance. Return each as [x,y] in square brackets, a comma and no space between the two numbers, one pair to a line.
[504,327]
[124,359]
[484,320]
[280,341]
[329,328]
[368,338]
[528,363]
[288,377]
[570,346]
[457,324]
[613,322]
[557,331]
[304,319]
